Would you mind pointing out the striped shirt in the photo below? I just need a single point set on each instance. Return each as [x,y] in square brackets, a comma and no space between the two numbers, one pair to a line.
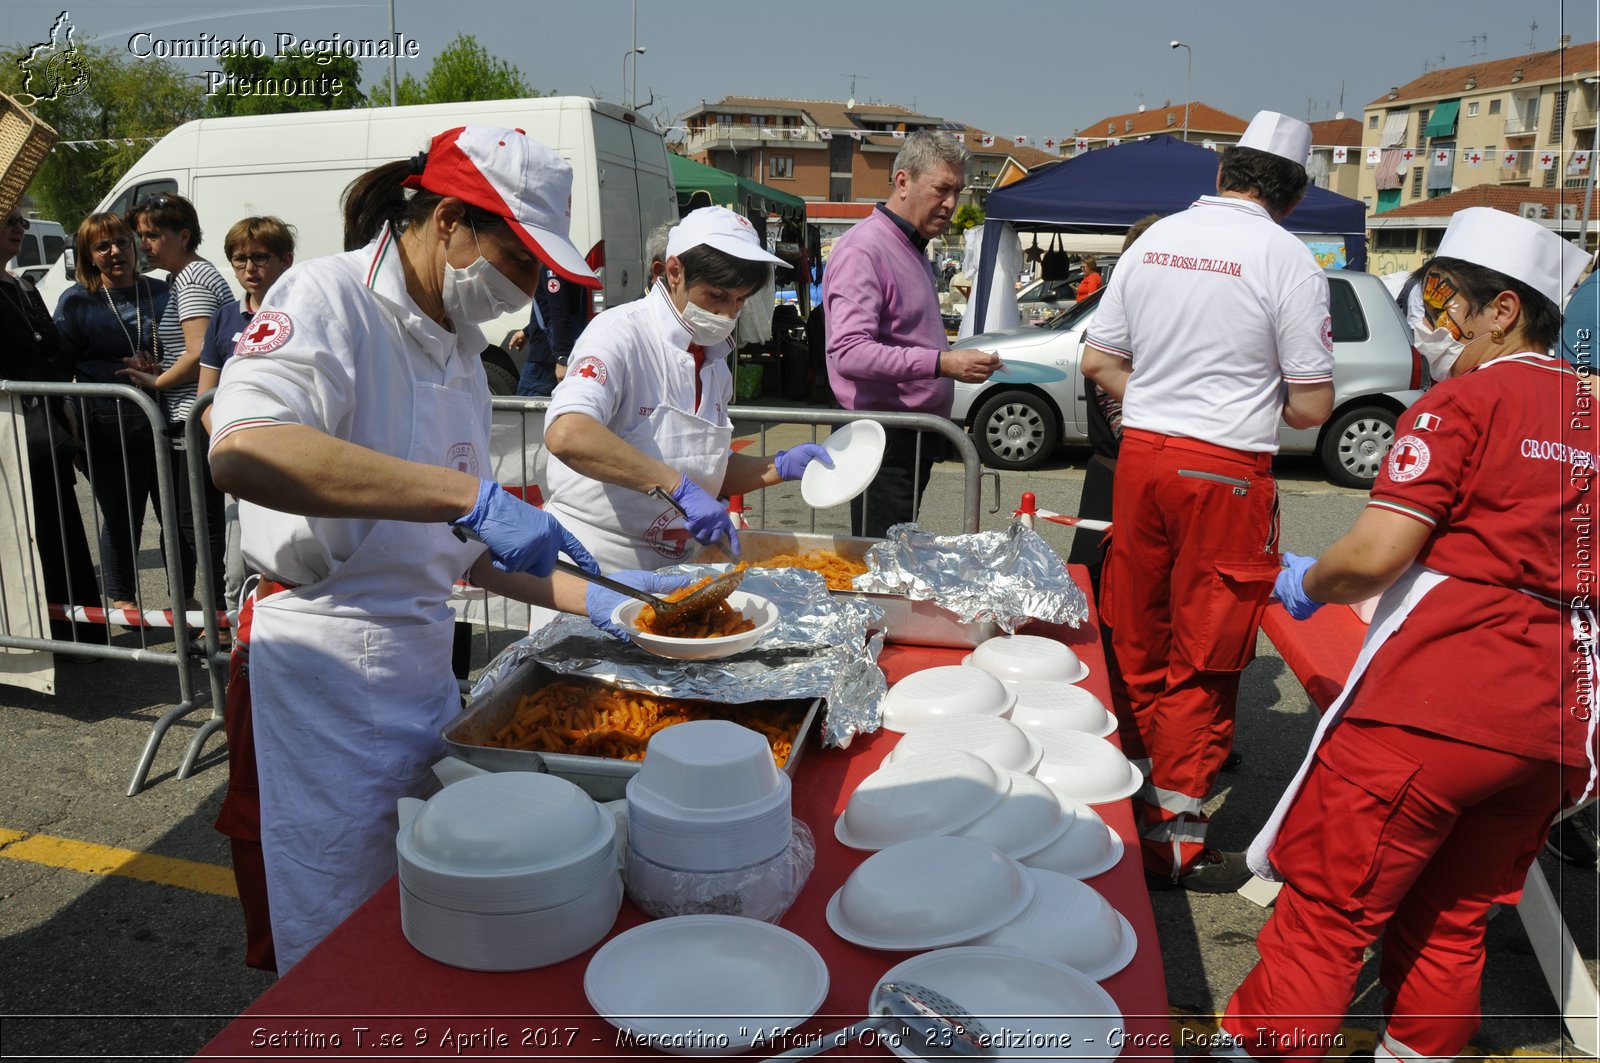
[198,290]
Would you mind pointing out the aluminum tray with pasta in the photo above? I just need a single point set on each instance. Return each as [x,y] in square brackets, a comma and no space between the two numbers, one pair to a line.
[476,735]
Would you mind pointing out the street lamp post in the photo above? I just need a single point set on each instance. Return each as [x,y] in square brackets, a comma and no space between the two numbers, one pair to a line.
[1188,86]
[627,100]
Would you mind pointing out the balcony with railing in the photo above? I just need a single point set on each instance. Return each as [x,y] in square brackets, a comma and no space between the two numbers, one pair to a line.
[1522,125]
[737,136]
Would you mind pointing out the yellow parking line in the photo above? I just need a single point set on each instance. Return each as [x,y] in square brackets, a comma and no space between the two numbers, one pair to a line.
[91,859]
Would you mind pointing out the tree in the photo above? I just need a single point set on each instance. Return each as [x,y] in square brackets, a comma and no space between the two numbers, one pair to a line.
[462,71]
[299,81]
[967,216]
[120,103]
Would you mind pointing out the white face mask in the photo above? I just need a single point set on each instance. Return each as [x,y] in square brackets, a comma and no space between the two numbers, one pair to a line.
[480,292]
[1439,347]
[707,328]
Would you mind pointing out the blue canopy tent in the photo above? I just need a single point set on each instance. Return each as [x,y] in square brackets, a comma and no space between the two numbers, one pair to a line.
[1110,189]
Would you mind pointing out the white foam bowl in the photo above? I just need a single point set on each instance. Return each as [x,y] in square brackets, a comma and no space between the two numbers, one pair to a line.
[1026,820]
[763,891]
[511,941]
[705,984]
[506,842]
[1086,846]
[998,741]
[697,840]
[1047,1009]
[1084,768]
[948,690]
[929,892]
[760,611]
[936,793]
[1027,657]
[1052,703]
[1071,923]
[709,764]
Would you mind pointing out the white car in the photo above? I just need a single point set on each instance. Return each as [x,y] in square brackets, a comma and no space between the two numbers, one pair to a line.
[1376,375]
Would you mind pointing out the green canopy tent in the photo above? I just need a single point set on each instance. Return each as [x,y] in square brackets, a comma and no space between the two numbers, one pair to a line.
[726,190]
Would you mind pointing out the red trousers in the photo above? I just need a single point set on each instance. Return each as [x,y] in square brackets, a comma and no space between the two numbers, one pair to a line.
[1408,836]
[1190,566]
[240,815]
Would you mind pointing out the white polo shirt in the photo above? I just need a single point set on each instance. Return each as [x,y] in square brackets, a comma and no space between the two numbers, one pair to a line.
[628,360]
[1217,308]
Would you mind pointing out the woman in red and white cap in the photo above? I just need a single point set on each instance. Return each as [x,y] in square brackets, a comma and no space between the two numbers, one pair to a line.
[1467,722]
[353,425]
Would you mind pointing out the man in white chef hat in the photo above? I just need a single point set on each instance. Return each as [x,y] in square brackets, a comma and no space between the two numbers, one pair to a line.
[1214,327]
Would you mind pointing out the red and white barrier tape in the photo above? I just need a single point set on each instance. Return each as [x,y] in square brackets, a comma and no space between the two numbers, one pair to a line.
[130,617]
[1029,510]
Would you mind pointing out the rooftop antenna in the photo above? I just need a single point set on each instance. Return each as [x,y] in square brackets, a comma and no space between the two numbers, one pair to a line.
[853,78]
[1341,97]
[1533,29]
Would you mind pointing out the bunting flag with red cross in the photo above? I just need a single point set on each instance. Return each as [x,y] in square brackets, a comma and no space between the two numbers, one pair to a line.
[1373,155]
[986,141]
[1081,144]
[1341,154]
[1474,157]
[1020,140]
[1547,160]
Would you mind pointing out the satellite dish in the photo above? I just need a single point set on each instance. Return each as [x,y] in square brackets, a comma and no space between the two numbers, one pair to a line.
[850,104]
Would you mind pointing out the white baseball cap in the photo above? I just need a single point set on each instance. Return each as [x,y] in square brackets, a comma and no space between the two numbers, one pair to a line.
[1278,134]
[1517,247]
[723,229]
[507,172]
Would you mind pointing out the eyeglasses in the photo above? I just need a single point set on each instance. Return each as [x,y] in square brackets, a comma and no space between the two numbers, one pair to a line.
[257,259]
[17,221]
[106,245]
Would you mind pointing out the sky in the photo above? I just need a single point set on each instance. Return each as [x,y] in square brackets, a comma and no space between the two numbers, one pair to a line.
[1037,68]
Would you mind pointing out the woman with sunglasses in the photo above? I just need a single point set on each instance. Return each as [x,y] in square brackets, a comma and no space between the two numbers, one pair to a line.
[30,350]
[169,232]
[106,318]
[1467,722]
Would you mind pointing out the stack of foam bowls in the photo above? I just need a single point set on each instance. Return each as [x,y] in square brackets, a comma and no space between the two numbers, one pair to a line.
[936,793]
[1070,923]
[707,803]
[1061,706]
[1016,657]
[508,871]
[929,892]
[1000,742]
[949,690]
[1084,768]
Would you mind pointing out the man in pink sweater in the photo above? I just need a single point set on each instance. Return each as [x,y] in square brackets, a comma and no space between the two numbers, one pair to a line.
[886,344]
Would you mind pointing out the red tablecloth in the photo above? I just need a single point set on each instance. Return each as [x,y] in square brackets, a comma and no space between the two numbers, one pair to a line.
[365,983]
[1320,651]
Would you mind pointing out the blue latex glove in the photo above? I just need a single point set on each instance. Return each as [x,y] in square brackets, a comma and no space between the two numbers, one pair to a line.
[705,517]
[520,537]
[1291,587]
[791,463]
[600,602]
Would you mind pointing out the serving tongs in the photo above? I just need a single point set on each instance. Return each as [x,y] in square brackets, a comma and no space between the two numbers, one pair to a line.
[696,602]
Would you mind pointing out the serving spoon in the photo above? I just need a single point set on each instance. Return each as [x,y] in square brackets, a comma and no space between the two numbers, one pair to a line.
[934,1024]
[695,602]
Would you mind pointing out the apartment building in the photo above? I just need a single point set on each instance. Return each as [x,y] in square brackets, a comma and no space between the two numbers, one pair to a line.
[1526,121]
[827,151]
[1335,162]
[1204,124]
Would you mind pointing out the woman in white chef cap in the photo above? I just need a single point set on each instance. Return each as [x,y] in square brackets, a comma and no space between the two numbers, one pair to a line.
[1466,724]
[352,423]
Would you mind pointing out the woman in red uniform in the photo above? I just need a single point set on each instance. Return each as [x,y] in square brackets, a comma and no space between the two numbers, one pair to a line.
[1465,726]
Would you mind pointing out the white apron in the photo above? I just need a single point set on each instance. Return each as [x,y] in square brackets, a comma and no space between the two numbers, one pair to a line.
[1396,604]
[349,707]
[628,529]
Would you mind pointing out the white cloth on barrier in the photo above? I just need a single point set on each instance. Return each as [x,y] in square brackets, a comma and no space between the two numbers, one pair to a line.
[517,461]
[23,608]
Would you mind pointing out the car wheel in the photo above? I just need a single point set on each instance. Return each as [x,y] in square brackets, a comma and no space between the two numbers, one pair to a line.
[1355,444]
[502,377]
[1016,430]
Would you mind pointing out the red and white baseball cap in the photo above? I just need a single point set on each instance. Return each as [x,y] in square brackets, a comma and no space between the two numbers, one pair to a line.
[507,172]
[723,229]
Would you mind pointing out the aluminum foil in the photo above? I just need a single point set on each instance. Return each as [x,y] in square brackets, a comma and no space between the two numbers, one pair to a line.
[1008,577]
[819,649]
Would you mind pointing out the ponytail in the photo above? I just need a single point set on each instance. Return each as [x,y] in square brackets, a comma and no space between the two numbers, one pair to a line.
[379,197]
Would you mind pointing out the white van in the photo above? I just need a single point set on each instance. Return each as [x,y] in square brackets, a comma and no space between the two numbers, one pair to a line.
[296,166]
[42,245]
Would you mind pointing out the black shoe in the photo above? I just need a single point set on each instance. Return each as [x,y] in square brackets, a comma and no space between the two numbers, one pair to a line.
[1233,761]
[1571,843]
[1215,872]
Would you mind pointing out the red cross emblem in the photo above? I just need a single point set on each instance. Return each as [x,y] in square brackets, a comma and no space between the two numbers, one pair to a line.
[1546,160]
[1475,158]
[1511,158]
[590,368]
[1049,143]
[1409,459]
[268,330]
[1442,156]
[1408,155]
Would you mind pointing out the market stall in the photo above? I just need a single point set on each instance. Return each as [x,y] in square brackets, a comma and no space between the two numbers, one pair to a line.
[365,990]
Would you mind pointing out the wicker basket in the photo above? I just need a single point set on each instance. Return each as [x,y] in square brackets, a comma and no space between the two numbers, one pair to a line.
[24,143]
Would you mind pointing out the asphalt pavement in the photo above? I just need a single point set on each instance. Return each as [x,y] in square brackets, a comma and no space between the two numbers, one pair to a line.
[143,962]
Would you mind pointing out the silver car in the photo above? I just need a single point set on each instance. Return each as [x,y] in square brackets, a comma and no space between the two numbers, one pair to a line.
[1376,375]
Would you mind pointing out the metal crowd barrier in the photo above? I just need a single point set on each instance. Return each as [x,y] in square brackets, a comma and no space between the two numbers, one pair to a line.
[131,411]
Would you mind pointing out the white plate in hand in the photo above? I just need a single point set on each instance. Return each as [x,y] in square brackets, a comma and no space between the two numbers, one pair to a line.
[857,452]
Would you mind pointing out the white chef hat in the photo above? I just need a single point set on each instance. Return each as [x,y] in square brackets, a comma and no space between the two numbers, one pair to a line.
[1517,247]
[1278,134]
[723,229]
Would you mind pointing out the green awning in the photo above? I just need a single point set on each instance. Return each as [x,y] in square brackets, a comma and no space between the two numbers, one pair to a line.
[1442,122]
[726,190]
